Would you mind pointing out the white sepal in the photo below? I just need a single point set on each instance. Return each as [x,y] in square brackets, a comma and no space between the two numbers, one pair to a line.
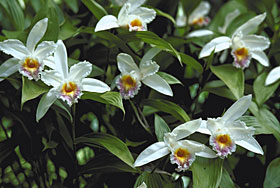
[94,85]
[273,76]
[8,68]
[159,84]
[261,57]
[106,22]
[45,103]
[14,48]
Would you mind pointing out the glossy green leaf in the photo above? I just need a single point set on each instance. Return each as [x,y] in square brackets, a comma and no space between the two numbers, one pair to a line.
[97,10]
[207,172]
[168,107]
[217,87]
[192,62]
[109,142]
[262,92]
[64,132]
[161,13]
[226,180]
[169,78]
[16,14]
[150,54]
[160,128]
[50,145]
[232,77]
[31,89]
[110,97]
[272,176]
[73,4]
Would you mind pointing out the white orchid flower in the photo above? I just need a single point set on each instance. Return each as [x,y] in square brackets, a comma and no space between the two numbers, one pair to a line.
[129,82]
[244,45]
[227,132]
[198,15]
[29,59]
[183,152]
[131,16]
[67,85]
[273,76]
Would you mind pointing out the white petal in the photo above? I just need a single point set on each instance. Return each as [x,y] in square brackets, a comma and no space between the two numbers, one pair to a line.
[135,4]
[146,14]
[45,103]
[200,11]
[237,109]
[239,131]
[80,71]
[186,129]
[250,144]
[126,64]
[52,78]
[256,42]
[273,76]
[106,22]
[261,57]
[214,125]
[159,84]
[123,15]
[14,48]
[200,33]
[219,44]
[36,33]
[49,61]
[94,85]
[45,49]
[250,25]
[229,17]
[8,68]
[60,59]
[203,128]
[192,146]
[207,153]
[148,68]
[151,153]
[143,185]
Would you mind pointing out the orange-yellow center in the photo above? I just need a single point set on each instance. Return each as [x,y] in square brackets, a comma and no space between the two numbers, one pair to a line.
[241,53]
[31,64]
[198,21]
[69,88]
[136,23]
[224,140]
[128,82]
[182,154]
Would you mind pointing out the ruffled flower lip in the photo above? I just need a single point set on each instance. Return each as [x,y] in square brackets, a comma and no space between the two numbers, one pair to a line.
[31,68]
[222,144]
[70,92]
[242,57]
[128,86]
[183,158]
[202,21]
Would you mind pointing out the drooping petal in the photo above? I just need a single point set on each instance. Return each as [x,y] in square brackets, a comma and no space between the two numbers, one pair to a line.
[200,11]
[45,103]
[36,34]
[52,78]
[239,131]
[60,59]
[14,48]
[273,76]
[45,49]
[106,22]
[250,25]
[148,68]
[126,64]
[261,57]
[200,33]
[250,144]
[135,4]
[187,128]
[151,153]
[219,44]
[146,14]
[237,109]
[8,68]
[256,42]
[159,84]
[94,85]
[203,128]
[229,18]
[207,153]
[79,71]
[49,61]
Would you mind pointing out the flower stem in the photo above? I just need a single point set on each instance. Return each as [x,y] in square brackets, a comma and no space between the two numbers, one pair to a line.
[76,178]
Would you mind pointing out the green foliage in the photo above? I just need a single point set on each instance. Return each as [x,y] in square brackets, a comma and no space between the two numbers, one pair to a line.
[272,174]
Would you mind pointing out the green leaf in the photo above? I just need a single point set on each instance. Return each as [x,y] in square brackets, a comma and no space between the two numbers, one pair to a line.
[189,5]
[150,54]
[218,87]
[160,13]
[169,78]
[252,121]
[168,107]
[261,91]
[97,10]
[272,176]
[16,14]
[63,131]
[160,128]
[226,180]
[31,89]
[207,172]
[232,77]
[110,97]
[192,62]
[50,145]
[73,4]
[109,142]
